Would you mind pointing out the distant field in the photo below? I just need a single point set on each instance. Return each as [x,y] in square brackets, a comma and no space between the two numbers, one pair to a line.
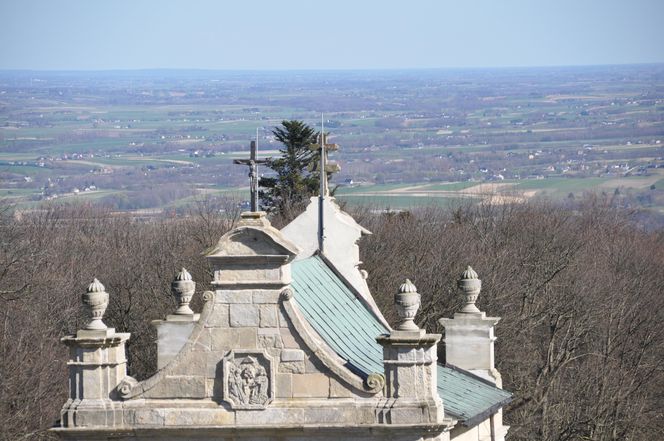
[399,202]
[410,195]
[559,187]
[15,192]
[376,188]
[153,141]
[405,196]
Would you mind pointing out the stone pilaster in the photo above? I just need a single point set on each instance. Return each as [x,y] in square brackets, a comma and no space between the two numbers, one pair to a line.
[97,364]
[469,336]
[410,363]
[469,342]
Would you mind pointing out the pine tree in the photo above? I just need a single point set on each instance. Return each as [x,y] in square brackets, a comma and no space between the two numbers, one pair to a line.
[295,182]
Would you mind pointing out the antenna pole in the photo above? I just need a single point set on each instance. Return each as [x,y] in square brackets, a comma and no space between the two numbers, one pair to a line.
[321,192]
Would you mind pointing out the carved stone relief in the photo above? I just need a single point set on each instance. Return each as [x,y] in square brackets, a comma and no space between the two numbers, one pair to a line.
[248,379]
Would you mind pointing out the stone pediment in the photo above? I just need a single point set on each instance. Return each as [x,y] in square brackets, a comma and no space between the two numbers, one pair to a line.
[253,238]
[253,253]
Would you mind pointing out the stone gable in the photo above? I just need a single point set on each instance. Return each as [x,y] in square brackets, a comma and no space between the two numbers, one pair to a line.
[253,364]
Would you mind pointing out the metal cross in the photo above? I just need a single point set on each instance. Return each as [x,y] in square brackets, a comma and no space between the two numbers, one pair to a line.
[323,147]
[252,162]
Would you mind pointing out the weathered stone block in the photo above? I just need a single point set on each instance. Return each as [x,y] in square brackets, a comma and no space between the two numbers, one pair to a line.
[199,417]
[268,316]
[338,390]
[292,367]
[94,417]
[244,315]
[364,415]
[407,415]
[195,364]
[90,355]
[284,386]
[237,274]
[213,359]
[266,296]
[311,385]
[292,355]
[232,338]
[312,365]
[178,386]
[209,387]
[283,320]
[272,415]
[288,339]
[268,331]
[93,380]
[275,353]
[219,317]
[328,415]
[233,296]
[145,417]
[269,338]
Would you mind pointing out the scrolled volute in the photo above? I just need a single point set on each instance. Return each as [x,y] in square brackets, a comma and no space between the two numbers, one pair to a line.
[286,294]
[126,387]
[208,296]
[375,381]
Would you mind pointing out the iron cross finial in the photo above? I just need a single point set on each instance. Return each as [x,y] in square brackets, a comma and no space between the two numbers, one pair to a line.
[252,162]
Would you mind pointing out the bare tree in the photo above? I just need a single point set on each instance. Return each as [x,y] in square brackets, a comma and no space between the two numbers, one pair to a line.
[579,289]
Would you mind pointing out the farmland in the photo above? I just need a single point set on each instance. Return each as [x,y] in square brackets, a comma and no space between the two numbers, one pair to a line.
[163,139]
[506,191]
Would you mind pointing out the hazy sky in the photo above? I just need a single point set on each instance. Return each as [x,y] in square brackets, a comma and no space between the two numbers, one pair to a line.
[338,34]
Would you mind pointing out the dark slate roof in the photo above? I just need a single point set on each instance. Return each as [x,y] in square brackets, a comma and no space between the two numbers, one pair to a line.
[350,329]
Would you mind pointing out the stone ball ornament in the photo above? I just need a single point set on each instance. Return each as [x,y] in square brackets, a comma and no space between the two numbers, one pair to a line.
[183,288]
[407,301]
[470,285]
[95,300]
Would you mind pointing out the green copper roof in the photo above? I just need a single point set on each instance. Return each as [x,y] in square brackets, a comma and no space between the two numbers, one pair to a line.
[350,329]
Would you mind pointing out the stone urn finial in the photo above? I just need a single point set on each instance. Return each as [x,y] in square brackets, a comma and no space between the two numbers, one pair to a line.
[407,301]
[96,300]
[183,289]
[471,285]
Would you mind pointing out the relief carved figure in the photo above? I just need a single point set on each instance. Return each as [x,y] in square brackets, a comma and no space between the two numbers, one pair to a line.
[248,380]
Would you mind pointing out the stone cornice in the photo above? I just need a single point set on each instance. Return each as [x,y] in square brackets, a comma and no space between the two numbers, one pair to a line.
[96,342]
[421,341]
[343,430]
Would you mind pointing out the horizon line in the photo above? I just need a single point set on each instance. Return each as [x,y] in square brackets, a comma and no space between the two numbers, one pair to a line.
[353,69]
